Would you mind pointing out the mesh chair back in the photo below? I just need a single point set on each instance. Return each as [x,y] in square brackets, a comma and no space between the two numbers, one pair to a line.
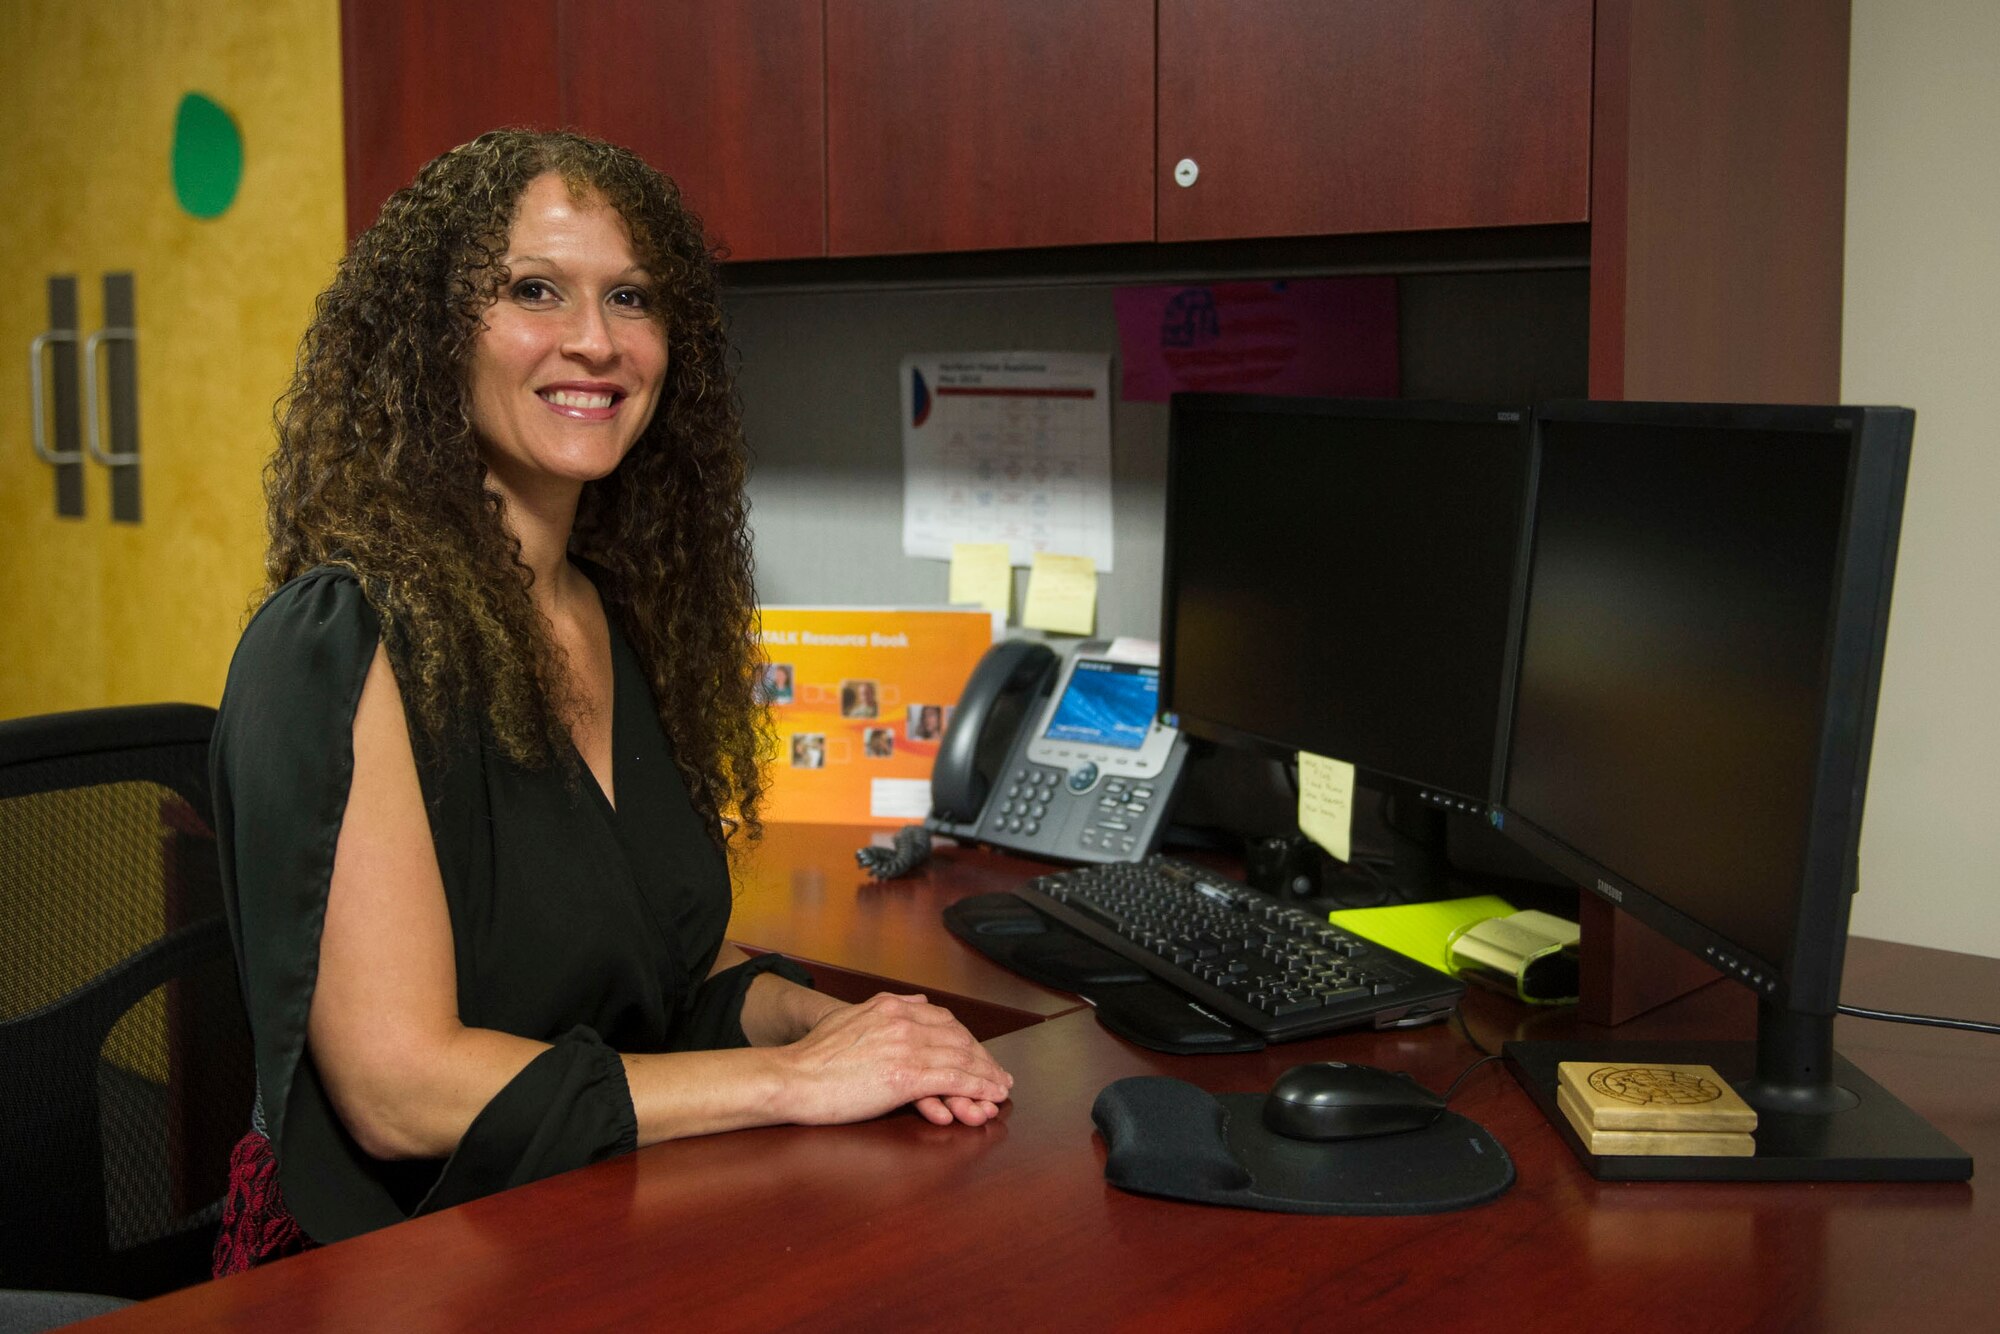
[125,1065]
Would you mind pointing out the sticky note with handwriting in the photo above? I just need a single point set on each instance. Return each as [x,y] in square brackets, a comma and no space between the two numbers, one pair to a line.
[1062,594]
[1326,802]
[981,575]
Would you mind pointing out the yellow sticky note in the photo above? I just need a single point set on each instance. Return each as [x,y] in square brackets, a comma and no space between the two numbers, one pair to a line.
[1062,594]
[982,575]
[1326,802]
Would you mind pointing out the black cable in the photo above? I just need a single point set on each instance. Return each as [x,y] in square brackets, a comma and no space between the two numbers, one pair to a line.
[1466,1028]
[1466,1074]
[912,849]
[1929,1020]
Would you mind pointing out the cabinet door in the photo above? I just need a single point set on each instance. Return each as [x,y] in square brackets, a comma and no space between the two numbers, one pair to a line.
[421,78]
[983,124]
[1306,117]
[728,99]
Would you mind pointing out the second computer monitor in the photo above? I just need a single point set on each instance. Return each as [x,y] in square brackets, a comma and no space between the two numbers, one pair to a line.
[1338,575]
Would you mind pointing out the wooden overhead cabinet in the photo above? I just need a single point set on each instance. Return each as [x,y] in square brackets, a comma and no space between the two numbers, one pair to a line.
[421,78]
[800,128]
[987,124]
[728,99]
[1316,117]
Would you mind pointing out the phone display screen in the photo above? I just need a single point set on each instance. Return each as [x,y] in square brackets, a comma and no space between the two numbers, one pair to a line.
[1107,704]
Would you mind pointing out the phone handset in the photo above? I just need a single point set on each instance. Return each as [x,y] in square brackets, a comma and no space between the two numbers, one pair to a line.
[1007,681]
[1059,758]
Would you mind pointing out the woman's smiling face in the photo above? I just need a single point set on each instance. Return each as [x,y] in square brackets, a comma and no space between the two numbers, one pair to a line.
[566,371]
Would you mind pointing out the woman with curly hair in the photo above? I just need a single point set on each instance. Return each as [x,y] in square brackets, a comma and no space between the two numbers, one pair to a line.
[488,745]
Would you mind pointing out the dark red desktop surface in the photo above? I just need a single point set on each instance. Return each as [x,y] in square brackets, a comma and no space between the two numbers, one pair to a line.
[896,1224]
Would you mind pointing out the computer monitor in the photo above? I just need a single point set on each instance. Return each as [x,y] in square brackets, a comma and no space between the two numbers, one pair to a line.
[1338,578]
[1703,607]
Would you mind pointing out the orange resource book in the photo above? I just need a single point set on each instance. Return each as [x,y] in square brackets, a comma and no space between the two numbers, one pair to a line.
[860,698]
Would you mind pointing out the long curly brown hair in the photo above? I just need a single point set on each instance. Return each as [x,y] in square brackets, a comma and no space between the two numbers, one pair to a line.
[377,469]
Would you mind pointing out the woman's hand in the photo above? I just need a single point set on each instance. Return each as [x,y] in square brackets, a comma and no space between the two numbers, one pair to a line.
[859,1061]
[775,1012]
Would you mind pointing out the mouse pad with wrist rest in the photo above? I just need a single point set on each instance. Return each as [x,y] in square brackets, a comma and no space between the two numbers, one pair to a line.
[1166,1137]
[1129,1001]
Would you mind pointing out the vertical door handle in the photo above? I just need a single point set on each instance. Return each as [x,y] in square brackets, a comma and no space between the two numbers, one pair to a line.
[38,434]
[91,430]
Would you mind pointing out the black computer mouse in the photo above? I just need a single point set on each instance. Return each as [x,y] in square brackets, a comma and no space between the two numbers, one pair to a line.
[1334,1100]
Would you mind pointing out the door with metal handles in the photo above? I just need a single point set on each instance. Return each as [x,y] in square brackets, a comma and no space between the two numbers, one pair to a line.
[52,399]
[106,389]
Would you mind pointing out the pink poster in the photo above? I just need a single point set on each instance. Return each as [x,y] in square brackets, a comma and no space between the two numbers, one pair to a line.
[1323,337]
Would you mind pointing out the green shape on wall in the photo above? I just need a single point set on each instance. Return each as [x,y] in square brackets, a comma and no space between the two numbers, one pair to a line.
[208,157]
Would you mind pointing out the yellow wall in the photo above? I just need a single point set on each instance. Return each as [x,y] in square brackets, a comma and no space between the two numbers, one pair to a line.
[93,612]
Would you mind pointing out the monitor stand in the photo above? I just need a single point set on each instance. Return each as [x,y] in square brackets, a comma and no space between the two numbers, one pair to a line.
[1819,1118]
[1420,865]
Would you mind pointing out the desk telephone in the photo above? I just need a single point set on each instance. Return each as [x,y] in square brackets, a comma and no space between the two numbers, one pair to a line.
[1061,758]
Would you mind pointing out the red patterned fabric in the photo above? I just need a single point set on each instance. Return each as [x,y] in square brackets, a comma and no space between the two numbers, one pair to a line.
[256,1226]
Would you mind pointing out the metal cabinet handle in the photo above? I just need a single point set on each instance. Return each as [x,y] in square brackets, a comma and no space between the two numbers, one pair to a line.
[38,434]
[91,441]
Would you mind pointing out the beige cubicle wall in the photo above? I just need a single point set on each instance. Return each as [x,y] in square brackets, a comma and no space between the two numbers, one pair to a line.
[1922,329]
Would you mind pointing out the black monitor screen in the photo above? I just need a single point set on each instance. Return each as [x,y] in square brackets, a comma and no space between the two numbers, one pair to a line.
[1700,633]
[1673,667]
[1338,579]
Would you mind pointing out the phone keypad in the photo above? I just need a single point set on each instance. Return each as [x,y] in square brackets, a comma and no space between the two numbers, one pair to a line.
[1116,820]
[1026,802]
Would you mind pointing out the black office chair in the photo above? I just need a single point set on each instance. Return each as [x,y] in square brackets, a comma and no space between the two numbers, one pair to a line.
[125,1064]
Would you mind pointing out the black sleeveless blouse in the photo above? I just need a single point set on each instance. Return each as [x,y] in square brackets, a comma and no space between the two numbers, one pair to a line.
[572,923]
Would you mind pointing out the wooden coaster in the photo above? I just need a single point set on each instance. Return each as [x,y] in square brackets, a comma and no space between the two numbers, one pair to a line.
[1655,1143]
[1676,1098]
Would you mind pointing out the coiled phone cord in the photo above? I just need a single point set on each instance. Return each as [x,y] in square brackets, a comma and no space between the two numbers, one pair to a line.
[911,849]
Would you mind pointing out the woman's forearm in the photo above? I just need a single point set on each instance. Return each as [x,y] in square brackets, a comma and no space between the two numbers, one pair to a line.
[851,1063]
[846,1063]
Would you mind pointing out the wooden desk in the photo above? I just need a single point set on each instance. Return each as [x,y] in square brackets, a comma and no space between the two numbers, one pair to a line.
[897,1224]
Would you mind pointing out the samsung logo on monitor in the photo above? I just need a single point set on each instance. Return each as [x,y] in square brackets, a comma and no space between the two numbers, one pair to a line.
[1611,891]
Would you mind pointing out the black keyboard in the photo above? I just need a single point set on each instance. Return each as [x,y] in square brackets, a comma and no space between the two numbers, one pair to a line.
[1279,971]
